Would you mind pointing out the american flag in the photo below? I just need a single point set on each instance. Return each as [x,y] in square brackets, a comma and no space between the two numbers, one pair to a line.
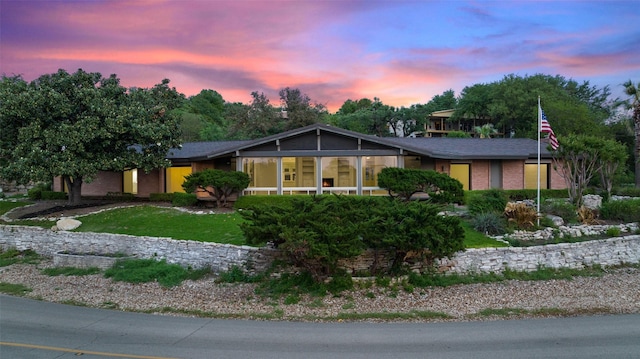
[546,128]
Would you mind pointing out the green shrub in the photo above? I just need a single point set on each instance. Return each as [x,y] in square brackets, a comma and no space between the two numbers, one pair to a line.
[613,231]
[120,196]
[532,194]
[51,195]
[561,208]
[340,282]
[14,289]
[404,182]
[150,270]
[236,275]
[245,202]
[490,223]
[623,210]
[161,197]
[12,256]
[627,191]
[35,193]
[184,199]
[493,200]
[219,184]
[315,232]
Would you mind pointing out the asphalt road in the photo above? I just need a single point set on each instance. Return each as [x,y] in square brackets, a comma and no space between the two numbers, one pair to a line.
[33,329]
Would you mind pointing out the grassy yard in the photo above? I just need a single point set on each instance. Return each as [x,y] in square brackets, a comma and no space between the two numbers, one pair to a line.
[6,206]
[166,222]
[172,223]
[475,239]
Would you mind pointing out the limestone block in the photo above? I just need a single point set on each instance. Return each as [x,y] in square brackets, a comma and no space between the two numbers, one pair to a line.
[592,201]
[557,221]
[67,224]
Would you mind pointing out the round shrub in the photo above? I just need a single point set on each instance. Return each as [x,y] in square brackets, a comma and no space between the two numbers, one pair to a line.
[490,223]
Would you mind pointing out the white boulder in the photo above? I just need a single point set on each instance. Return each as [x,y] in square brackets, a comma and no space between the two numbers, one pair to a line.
[67,224]
[592,201]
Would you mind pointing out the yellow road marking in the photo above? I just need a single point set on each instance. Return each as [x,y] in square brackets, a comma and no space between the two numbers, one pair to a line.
[81,351]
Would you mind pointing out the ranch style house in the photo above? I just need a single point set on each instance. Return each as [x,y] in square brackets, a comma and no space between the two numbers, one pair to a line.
[319,159]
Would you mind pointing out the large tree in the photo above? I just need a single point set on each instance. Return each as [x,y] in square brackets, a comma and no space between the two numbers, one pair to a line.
[258,119]
[634,91]
[75,125]
[298,110]
[364,116]
[511,105]
[209,107]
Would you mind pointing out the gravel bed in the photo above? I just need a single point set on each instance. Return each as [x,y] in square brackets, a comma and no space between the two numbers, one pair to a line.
[618,291]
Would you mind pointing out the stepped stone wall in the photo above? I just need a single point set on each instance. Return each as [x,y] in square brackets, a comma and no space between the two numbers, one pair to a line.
[221,257]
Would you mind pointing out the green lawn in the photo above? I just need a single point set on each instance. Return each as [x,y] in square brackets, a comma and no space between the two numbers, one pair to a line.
[166,222]
[6,206]
[475,239]
[169,222]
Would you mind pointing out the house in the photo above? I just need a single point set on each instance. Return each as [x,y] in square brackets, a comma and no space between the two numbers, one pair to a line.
[323,159]
[439,124]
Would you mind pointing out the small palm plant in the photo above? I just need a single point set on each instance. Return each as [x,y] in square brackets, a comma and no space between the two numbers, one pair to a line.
[486,130]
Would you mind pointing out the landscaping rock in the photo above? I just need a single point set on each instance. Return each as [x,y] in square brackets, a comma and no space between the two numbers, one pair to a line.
[592,201]
[67,224]
[557,221]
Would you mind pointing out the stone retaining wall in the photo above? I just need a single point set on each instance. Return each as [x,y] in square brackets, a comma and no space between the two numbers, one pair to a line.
[221,257]
[605,252]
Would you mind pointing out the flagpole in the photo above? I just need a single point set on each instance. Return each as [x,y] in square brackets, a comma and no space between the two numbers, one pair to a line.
[538,181]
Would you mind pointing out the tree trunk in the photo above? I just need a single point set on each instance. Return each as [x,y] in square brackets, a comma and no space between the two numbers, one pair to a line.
[75,189]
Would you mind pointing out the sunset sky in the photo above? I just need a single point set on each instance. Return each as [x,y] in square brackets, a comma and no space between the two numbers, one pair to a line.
[403,52]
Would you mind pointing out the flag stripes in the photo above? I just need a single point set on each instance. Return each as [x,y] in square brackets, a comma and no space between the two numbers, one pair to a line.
[545,127]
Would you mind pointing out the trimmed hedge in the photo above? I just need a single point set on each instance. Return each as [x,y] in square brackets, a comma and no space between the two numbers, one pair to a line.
[245,202]
[180,199]
[161,197]
[494,200]
[35,193]
[521,194]
[51,195]
[625,210]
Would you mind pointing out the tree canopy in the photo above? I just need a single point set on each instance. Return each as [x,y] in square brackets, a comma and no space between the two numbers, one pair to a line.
[75,125]
[511,104]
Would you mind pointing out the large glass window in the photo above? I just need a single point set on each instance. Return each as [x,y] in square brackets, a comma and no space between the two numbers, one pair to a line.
[175,178]
[371,167]
[531,175]
[339,172]
[412,162]
[298,172]
[263,172]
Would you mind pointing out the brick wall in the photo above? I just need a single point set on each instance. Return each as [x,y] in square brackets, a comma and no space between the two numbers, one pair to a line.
[480,172]
[512,174]
[150,182]
[105,182]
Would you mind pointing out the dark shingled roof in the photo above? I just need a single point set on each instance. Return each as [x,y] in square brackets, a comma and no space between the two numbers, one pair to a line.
[472,148]
[202,150]
[436,147]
